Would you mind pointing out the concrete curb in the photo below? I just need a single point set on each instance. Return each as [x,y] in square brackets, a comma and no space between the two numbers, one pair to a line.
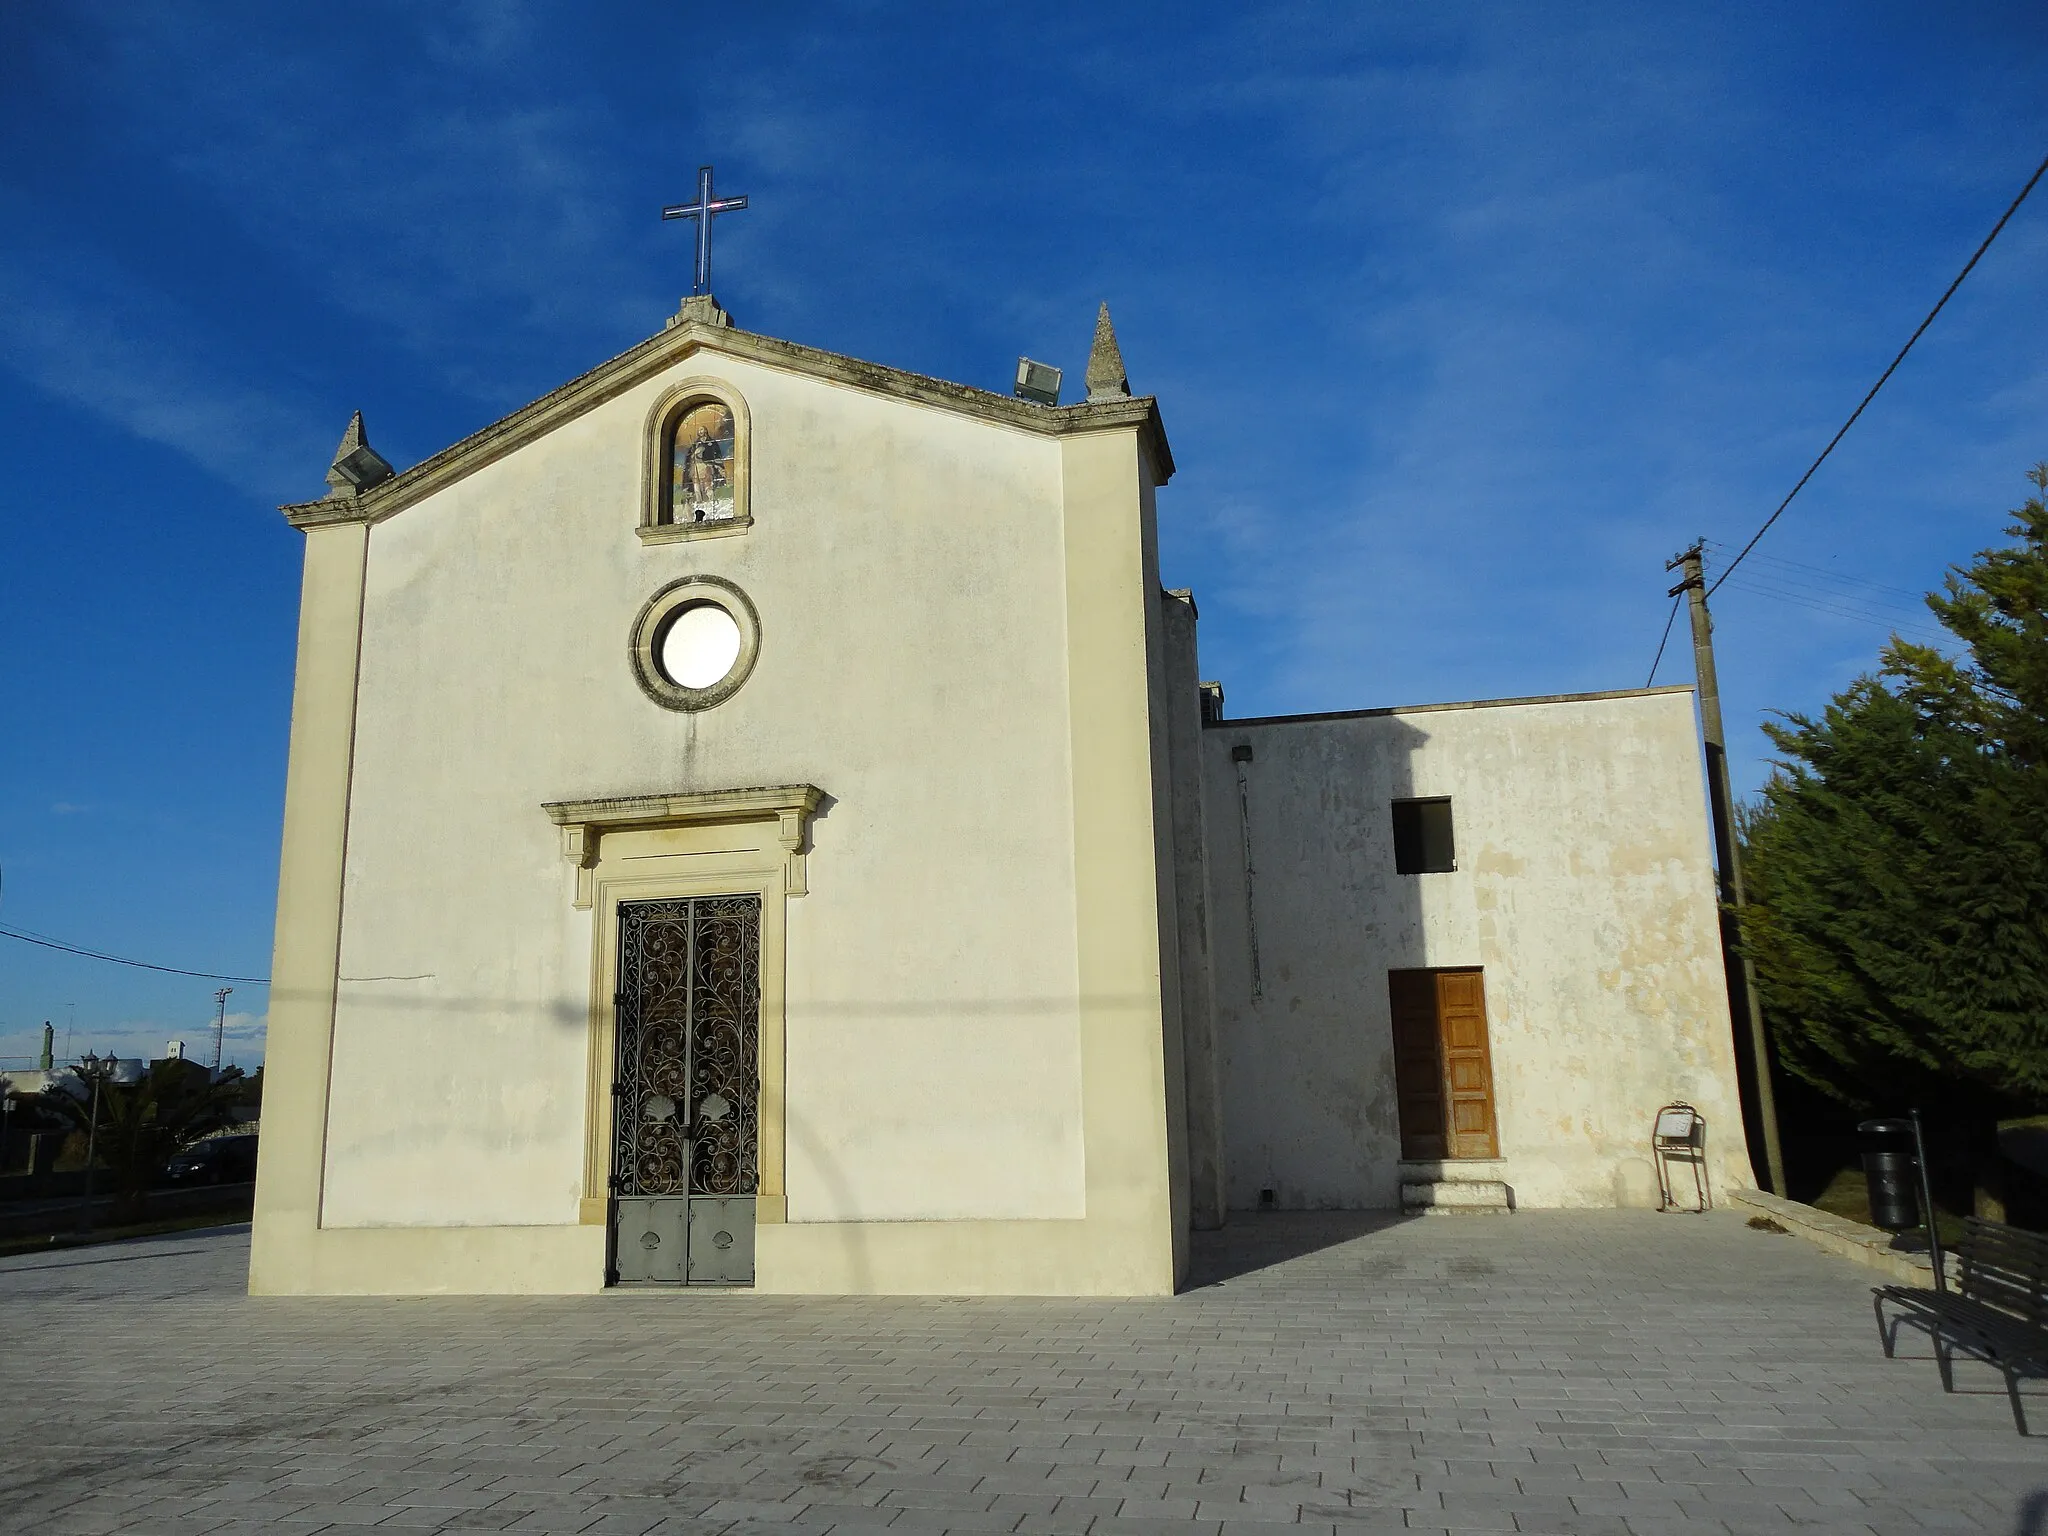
[1838,1235]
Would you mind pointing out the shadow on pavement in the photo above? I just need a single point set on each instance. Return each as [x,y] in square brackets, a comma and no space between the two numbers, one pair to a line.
[1256,1240]
[119,1250]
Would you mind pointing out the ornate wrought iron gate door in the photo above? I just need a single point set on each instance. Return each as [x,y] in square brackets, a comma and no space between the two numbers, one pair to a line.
[685,1091]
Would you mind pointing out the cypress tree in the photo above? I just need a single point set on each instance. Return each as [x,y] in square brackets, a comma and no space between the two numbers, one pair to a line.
[1897,864]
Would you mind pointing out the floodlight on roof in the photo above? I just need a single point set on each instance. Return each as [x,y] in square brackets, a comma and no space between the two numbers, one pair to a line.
[1037,382]
[364,467]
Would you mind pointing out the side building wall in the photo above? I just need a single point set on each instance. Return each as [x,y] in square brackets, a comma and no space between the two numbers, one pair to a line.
[1200,1112]
[1583,888]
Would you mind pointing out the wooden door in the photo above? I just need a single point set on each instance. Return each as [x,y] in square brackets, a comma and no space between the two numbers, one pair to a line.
[1468,1063]
[1418,1063]
[1443,1068]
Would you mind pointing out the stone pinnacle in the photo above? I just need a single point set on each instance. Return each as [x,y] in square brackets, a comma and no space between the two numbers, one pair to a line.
[1105,377]
[338,483]
[357,466]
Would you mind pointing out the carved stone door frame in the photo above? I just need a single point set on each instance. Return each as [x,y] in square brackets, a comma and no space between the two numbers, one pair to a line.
[658,878]
[750,842]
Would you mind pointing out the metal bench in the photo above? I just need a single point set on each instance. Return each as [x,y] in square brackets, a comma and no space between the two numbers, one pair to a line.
[1997,1310]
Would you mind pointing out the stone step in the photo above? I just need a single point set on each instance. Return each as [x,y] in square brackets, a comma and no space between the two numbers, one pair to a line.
[1433,1197]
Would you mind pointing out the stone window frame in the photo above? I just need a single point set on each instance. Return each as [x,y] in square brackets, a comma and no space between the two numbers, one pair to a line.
[652,620]
[658,467]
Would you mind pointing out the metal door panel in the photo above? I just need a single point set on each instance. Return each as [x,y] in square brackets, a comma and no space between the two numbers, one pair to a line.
[651,1239]
[721,1240]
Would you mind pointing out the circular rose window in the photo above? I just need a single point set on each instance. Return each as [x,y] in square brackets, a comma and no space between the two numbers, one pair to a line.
[695,642]
[699,646]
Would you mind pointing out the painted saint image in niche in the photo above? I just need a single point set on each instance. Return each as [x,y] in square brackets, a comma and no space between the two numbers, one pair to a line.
[701,490]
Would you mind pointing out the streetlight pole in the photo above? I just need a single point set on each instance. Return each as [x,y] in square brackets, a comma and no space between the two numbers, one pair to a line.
[96,1070]
[220,1026]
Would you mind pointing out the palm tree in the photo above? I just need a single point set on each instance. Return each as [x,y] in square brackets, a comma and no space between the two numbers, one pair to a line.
[141,1125]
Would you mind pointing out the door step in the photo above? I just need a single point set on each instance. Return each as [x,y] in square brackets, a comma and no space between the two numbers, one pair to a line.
[1456,1186]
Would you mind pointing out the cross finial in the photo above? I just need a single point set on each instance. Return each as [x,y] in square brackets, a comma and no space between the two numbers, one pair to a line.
[702,211]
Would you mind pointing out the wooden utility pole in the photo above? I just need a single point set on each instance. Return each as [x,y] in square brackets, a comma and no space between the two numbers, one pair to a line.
[1728,857]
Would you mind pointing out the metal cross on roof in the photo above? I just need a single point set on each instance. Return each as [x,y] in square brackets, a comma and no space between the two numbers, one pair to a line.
[702,210]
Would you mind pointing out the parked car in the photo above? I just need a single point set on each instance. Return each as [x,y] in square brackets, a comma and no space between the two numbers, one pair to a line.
[216,1160]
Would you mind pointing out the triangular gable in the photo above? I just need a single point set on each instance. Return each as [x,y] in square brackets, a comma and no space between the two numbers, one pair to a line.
[704,327]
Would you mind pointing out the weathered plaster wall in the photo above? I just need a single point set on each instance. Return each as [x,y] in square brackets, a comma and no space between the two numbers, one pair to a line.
[1584,888]
[907,565]
[1162,700]
[1200,1105]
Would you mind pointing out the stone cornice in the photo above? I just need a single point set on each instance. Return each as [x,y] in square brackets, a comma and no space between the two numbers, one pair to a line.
[670,347]
[585,822]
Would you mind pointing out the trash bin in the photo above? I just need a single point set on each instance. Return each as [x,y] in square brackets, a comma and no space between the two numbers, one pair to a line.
[1888,1168]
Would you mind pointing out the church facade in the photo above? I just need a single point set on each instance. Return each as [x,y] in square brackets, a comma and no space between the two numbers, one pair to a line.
[755,817]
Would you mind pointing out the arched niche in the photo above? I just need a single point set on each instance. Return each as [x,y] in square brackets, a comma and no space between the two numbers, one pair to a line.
[696,480]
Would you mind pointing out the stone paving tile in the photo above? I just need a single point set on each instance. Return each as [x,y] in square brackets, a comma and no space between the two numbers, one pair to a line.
[1582,1374]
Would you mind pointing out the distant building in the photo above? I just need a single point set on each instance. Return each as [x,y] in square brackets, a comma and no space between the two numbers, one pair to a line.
[128,1070]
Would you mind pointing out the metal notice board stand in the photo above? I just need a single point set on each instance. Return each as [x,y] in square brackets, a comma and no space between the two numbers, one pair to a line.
[1680,1137]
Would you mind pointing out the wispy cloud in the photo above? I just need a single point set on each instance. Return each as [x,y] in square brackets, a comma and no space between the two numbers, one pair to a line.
[467,34]
[1552,329]
[89,334]
[477,225]
[1462,323]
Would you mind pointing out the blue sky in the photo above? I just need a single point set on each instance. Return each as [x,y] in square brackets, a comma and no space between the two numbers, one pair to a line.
[1462,321]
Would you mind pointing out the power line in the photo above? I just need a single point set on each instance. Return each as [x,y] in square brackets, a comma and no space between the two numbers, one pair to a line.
[1939,304]
[1863,606]
[171,970]
[1823,601]
[94,954]
[1664,639]
[1717,549]
[1768,580]
[1925,633]
[140,965]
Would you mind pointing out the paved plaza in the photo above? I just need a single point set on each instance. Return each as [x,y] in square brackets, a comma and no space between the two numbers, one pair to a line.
[1601,1372]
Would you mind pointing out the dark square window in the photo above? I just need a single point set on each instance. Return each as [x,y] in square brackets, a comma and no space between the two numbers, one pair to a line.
[1422,837]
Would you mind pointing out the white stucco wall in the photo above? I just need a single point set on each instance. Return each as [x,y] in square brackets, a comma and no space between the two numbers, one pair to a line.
[1584,889]
[907,567]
